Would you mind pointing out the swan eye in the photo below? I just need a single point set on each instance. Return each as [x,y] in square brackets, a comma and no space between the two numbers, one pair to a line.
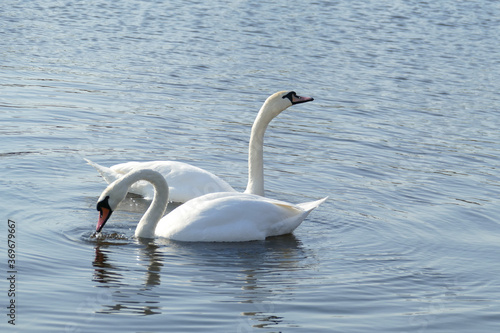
[290,96]
[103,204]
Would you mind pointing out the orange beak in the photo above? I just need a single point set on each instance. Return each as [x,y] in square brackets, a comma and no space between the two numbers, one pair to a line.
[301,99]
[104,214]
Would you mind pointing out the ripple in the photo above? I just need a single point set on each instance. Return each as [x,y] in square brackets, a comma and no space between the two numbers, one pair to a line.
[402,135]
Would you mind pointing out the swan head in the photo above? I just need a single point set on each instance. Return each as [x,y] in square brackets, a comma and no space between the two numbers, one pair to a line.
[281,100]
[108,202]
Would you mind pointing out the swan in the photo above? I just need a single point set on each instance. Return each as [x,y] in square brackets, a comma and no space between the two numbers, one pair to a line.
[187,182]
[213,217]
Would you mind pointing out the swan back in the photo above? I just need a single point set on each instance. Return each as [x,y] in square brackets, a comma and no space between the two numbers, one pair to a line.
[232,217]
[185,181]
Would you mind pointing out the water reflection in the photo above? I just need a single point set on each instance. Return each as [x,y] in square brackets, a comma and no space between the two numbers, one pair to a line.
[104,272]
[125,295]
[250,275]
[151,253]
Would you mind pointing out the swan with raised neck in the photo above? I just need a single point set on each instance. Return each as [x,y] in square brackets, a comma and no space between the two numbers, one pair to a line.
[272,107]
[188,182]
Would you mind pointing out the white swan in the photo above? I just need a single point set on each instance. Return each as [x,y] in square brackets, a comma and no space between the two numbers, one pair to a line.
[187,181]
[214,217]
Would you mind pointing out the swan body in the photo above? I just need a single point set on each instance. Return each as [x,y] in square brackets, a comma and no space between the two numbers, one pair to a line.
[214,217]
[232,217]
[187,182]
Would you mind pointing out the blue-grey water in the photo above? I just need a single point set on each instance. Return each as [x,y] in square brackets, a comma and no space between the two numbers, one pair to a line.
[403,136]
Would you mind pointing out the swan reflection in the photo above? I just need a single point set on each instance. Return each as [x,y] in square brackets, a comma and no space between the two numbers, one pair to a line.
[247,277]
[126,296]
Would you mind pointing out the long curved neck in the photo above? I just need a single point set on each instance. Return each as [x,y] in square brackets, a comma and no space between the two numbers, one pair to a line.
[147,224]
[256,153]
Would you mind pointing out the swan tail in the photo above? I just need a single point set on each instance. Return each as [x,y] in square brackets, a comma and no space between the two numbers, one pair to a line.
[106,173]
[301,211]
[309,206]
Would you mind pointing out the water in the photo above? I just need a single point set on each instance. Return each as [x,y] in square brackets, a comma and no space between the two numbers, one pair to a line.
[402,135]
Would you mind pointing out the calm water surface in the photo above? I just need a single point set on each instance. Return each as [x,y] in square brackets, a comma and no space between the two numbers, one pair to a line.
[403,136]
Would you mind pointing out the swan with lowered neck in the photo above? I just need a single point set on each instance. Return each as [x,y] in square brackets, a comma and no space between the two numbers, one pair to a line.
[187,181]
[213,217]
